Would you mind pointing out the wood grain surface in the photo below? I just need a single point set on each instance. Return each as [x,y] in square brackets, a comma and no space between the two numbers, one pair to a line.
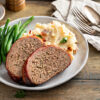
[85,86]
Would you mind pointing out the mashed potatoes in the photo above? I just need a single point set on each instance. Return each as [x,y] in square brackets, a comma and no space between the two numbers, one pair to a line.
[55,33]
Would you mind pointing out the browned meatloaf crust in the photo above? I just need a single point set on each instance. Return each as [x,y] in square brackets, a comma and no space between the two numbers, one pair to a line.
[45,63]
[18,54]
[24,76]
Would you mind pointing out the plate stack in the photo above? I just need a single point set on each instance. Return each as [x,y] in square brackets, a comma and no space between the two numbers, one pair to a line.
[15,5]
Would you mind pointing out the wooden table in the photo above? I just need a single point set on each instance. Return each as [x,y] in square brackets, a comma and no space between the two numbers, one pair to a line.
[85,86]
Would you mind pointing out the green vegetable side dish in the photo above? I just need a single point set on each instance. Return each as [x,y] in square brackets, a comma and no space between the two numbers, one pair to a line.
[0,43]
[20,34]
[26,23]
[10,41]
[5,28]
[7,38]
[64,40]
[9,34]
[16,32]
[0,32]
[3,57]
[23,27]
[3,33]
[0,36]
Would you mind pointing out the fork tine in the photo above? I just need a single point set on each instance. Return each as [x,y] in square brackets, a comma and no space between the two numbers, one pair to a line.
[82,16]
[82,24]
[84,27]
[76,12]
[77,15]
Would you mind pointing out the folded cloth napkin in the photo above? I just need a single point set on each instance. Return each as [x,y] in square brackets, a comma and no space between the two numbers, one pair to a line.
[63,12]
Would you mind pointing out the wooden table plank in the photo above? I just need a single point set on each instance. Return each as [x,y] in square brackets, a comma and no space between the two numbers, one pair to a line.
[73,90]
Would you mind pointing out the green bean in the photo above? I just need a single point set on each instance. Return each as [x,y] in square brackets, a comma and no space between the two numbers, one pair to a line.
[10,41]
[0,35]
[3,57]
[21,33]
[0,31]
[9,44]
[16,32]
[22,28]
[9,27]
[24,31]
[19,24]
[2,54]
[26,23]
[5,27]
[7,36]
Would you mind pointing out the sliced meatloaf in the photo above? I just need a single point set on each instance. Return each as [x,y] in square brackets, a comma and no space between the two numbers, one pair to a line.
[18,54]
[45,63]
[24,76]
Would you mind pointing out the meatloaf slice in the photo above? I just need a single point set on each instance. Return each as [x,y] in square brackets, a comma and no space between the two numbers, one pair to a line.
[24,76]
[45,63]
[18,54]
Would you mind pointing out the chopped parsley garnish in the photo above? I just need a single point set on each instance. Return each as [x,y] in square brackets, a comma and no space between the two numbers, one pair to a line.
[39,36]
[64,40]
[20,94]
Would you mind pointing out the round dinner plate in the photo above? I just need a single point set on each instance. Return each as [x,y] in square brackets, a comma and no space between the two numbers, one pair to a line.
[76,66]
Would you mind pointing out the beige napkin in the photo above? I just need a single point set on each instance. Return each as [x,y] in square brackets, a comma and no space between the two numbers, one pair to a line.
[61,11]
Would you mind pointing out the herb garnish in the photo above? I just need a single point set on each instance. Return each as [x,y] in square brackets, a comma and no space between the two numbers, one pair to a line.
[64,40]
[39,36]
[20,94]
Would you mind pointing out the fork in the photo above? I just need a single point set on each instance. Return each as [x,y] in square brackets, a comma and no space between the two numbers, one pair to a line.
[86,28]
[78,14]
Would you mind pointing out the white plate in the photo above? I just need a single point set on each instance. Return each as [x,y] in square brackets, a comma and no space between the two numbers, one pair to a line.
[76,66]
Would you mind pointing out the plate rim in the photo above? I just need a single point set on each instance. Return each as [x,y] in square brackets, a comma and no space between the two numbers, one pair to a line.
[61,82]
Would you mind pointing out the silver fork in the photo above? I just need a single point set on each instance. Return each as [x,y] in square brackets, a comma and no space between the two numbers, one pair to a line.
[78,14]
[86,28]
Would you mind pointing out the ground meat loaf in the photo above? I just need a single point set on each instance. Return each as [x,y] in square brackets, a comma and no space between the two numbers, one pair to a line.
[18,54]
[24,76]
[45,63]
